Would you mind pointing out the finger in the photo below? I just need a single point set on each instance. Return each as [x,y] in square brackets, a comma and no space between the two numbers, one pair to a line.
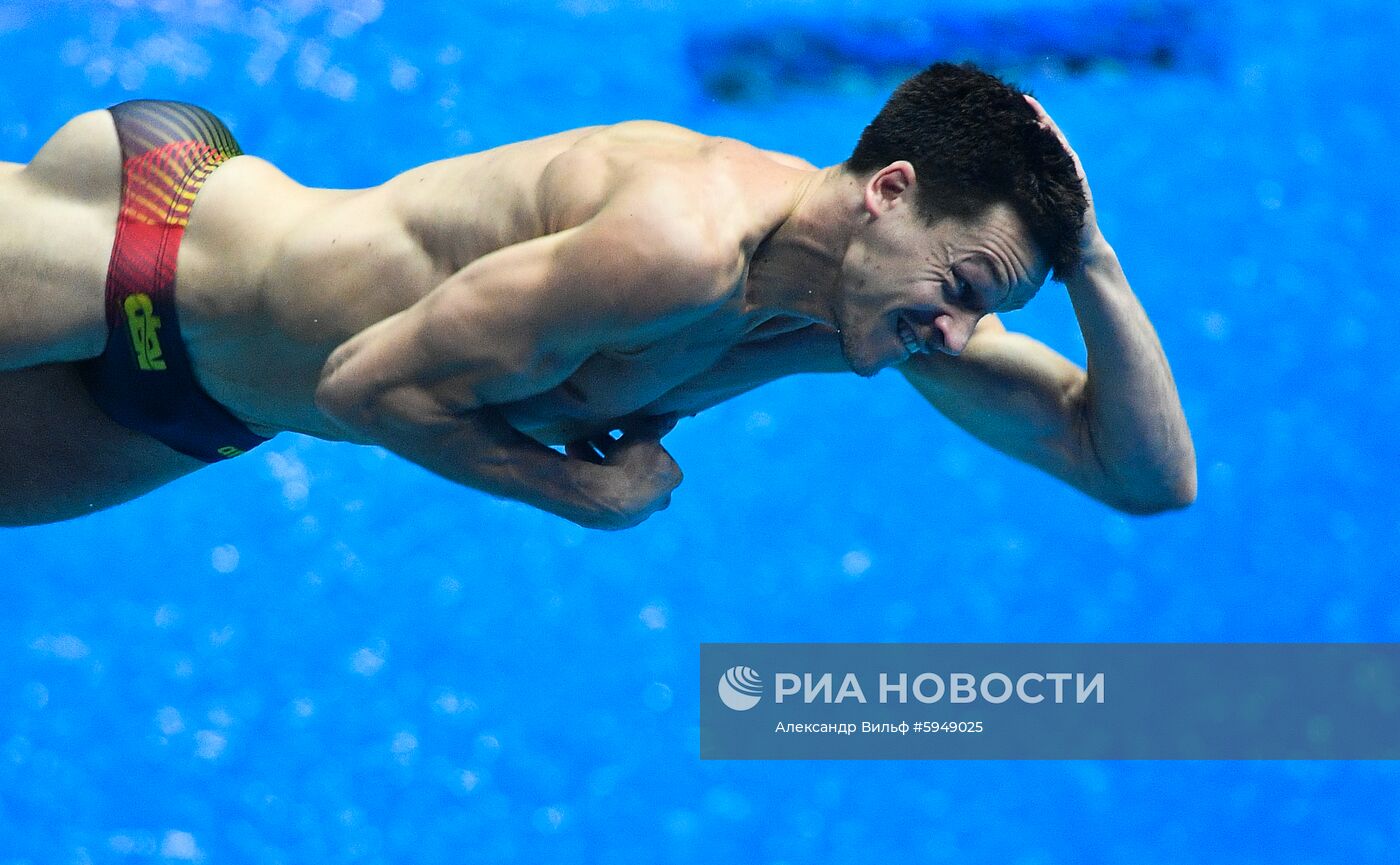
[1039,110]
[668,471]
[1044,117]
[1048,122]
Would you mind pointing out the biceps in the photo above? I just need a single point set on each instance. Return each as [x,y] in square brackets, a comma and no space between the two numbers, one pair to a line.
[516,322]
[486,335]
[493,335]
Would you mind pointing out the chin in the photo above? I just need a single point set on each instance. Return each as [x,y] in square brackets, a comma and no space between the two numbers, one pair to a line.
[867,371]
[862,364]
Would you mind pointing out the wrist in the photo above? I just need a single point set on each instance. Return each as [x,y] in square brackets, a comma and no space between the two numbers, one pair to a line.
[1094,248]
[1096,257]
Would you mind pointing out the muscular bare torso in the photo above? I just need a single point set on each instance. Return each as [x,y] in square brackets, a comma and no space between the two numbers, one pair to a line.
[377,252]
[273,276]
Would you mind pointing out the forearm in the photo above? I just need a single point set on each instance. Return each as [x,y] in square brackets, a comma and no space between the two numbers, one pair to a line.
[1128,418]
[477,448]
[480,449]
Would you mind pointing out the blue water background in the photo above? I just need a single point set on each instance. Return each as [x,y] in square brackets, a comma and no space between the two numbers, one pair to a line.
[320,653]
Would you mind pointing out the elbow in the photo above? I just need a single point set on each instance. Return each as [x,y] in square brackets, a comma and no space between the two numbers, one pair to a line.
[344,399]
[1172,491]
[369,408]
[1153,480]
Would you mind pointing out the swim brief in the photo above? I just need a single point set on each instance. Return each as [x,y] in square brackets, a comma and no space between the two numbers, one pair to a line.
[144,379]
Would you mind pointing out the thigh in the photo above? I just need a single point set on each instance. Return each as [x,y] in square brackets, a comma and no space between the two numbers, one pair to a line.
[61,457]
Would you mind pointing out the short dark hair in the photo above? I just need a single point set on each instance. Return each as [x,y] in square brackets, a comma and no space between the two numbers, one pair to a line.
[974,141]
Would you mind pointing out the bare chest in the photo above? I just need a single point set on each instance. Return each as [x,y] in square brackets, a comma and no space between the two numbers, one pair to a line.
[685,373]
[614,384]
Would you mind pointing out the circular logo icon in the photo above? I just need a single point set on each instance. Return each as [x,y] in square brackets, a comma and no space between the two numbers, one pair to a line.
[740,688]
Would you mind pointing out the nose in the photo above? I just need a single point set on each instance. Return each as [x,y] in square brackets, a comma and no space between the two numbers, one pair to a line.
[956,329]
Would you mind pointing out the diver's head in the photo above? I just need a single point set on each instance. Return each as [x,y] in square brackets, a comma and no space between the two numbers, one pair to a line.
[973,141]
[968,203]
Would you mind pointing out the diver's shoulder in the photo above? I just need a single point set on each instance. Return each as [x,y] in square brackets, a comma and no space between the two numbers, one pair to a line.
[650,142]
[706,195]
[647,128]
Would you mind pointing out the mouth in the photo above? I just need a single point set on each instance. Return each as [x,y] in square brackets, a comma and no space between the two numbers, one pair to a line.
[909,337]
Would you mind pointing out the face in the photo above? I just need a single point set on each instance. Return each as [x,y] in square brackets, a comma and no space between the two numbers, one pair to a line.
[909,288]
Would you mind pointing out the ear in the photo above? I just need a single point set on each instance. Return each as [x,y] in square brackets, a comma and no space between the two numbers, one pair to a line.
[887,186]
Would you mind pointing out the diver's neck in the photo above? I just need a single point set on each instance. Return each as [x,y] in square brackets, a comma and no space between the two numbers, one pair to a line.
[797,269]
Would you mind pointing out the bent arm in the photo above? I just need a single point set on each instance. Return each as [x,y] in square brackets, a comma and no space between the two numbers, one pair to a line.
[419,381]
[511,324]
[1115,431]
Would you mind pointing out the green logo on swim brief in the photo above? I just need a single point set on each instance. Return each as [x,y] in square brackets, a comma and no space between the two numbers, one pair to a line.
[142,321]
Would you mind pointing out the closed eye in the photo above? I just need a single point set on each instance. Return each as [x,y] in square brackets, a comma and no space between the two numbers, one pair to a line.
[966,297]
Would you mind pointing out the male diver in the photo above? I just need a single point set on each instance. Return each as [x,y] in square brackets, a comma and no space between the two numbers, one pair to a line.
[169,302]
